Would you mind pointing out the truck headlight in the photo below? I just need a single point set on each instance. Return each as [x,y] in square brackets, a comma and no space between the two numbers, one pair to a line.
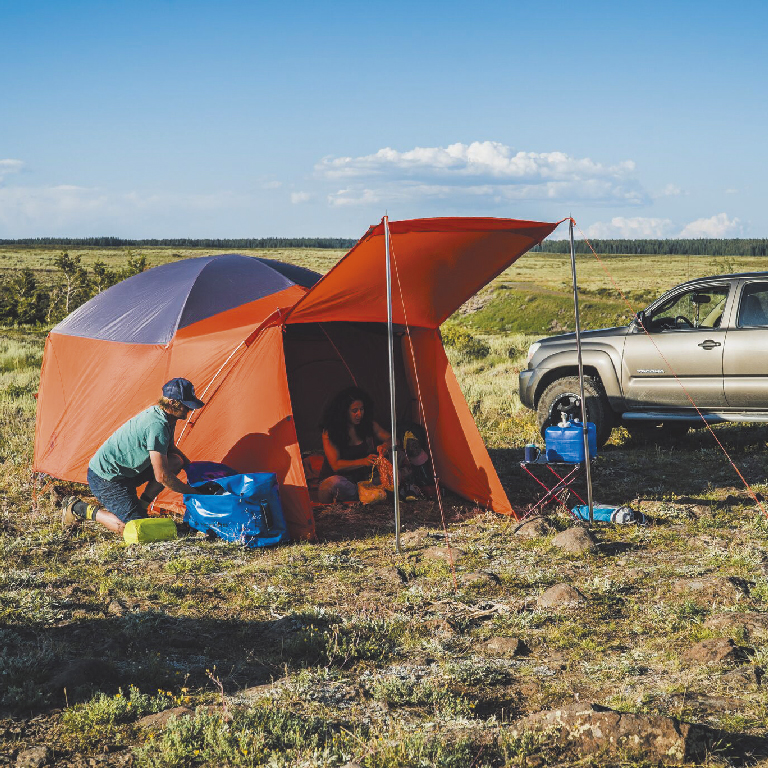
[532,350]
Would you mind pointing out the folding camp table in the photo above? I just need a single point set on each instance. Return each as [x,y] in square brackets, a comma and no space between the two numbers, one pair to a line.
[564,473]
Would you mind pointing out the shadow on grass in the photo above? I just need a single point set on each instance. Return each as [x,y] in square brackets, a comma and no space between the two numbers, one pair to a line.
[50,666]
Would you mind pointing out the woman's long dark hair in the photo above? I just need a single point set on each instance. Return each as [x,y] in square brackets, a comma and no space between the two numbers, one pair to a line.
[335,419]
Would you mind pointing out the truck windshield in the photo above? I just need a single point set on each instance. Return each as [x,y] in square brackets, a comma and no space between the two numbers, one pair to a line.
[696,308]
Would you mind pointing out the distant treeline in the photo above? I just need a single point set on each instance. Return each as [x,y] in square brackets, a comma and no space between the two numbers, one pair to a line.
[186,242]
[682,247]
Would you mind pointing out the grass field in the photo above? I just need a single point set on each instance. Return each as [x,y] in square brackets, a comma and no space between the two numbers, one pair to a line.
[344,651]
[533,296]
[41,260]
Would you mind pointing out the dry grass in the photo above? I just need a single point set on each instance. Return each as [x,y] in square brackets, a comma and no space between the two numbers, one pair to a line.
[374,656]
[41,260]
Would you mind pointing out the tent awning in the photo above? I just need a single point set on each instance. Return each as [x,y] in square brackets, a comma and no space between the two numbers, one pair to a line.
[438,264]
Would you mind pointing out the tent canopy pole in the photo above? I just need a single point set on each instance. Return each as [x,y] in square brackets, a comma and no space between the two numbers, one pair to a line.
[584,425]
[392,408]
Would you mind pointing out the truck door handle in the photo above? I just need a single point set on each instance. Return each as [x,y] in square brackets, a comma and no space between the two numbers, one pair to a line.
[709,344]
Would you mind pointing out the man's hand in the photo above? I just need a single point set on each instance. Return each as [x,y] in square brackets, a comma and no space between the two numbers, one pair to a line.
[164,476]
[209,489]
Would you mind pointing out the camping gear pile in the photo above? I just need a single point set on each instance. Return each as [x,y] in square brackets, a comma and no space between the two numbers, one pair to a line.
[245,508]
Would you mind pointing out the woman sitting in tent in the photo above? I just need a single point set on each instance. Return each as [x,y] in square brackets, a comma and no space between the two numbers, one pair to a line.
[350,440]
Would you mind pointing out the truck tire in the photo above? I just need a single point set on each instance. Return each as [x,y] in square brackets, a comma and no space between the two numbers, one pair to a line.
[562,395]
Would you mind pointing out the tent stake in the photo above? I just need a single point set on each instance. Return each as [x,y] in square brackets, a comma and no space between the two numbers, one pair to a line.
[392,409]
[585,428]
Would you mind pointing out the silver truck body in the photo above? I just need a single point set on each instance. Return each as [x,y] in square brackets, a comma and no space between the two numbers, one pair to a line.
[701,349]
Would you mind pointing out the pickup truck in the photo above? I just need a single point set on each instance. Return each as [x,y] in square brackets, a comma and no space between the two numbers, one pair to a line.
[703,344]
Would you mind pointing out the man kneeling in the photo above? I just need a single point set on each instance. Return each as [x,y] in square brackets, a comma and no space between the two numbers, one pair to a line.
[141,451]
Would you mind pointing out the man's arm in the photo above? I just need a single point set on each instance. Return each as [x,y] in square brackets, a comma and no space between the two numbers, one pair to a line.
[165,476]
[185,462]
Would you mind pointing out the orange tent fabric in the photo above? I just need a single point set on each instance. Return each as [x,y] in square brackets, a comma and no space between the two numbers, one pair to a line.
[437,263]
[101,365]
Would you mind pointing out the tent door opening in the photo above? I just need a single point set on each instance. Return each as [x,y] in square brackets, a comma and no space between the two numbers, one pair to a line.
[323,358]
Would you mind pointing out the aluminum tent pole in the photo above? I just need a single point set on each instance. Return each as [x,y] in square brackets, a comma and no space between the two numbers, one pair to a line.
[392,409]
[585,428]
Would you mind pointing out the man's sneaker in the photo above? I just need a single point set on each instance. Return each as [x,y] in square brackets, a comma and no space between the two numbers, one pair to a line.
[68,517]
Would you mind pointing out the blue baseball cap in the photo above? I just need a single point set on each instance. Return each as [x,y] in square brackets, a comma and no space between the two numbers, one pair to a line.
[183,391]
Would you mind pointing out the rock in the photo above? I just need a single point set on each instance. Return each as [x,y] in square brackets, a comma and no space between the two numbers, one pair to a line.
[480,579]
[160,719]
[590,729]
[390,575]
[259,690]
[506,646]
[116,608]
[711,591]
[746,624]
[440,627]
[717,650]
[445,554]
[82,672]
[533,528]
[560,595]
[34,757]
[576,540]
[704,704]
[743,677]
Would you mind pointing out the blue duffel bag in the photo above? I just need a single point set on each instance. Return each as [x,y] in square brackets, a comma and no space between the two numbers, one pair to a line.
[248,512]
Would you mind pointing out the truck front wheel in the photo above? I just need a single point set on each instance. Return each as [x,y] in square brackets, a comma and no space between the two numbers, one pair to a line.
[562,396]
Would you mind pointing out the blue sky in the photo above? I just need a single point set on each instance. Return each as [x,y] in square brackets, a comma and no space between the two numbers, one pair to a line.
[233,119]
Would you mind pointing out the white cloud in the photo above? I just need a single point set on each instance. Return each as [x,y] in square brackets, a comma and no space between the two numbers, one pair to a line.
[272,185]
[483,172]
[638,227]
[621,227]
[715,226]
[731,191]
[671,190]
[10,166]
[300,197]
[478,159]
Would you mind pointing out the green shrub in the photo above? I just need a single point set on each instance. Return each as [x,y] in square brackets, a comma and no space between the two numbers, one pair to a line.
[103,718]
[463,341]
[266,734]
[402,692]
[328,639]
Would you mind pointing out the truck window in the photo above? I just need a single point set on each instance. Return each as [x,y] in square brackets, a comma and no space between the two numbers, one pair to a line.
[753,307]
[697,308]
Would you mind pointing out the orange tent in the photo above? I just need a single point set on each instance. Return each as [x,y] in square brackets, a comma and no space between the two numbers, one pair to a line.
[266,344]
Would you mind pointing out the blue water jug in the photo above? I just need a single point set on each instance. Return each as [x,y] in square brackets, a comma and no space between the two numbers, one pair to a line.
[565,442]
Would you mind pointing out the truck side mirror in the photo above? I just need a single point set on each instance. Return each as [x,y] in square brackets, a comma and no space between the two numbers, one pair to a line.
[641,319]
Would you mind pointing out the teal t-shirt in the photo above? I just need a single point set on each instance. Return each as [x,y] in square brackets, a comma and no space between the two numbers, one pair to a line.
[126,452]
